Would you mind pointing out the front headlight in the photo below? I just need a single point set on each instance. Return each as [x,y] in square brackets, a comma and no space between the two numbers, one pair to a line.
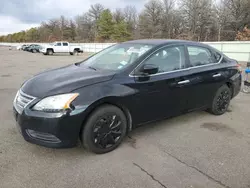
[55,103]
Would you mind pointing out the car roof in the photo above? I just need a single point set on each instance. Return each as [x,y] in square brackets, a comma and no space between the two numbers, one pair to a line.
[163,41]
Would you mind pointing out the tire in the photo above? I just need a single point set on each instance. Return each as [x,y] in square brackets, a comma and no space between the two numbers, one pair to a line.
[50,52]
[221,100]
[104,130]
[75,52]
[33,51]
[71,53]
[246,89]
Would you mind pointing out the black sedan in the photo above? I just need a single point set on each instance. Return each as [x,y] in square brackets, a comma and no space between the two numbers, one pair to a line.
[102,98]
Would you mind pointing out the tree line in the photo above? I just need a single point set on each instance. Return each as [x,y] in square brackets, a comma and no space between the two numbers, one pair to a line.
[199,20]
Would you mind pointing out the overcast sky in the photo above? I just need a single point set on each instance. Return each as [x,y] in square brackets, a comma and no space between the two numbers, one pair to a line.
[17,15]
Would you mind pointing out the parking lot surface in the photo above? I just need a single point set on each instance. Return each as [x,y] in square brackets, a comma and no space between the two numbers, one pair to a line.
[195,150]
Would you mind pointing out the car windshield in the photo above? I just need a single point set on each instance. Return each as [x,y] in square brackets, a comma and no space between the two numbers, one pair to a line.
[116,57]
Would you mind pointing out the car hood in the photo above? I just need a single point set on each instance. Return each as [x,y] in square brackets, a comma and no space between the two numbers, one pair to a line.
[63,80]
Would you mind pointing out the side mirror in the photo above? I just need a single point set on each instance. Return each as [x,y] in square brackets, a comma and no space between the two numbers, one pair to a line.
[150,69]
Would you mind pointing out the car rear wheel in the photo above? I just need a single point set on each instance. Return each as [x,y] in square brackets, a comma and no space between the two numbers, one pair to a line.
[246,89]
[75,52]
[49,52]
[221,100]
[104,129]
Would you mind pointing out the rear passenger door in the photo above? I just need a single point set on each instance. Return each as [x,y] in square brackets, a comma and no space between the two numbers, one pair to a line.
[65,47]
[206,75]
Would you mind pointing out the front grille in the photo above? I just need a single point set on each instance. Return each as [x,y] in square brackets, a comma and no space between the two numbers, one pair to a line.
[22,100]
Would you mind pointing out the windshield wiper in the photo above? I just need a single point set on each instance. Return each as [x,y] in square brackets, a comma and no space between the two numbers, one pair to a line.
[92,68]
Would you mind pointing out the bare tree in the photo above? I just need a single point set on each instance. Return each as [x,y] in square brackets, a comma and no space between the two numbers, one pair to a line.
[205,20]
[131,18]
[191,13]
[63,24]
[178,26]
[222,16]
[118,15]
[84,28]
[238,13]
[198,17]
[95,11]
[168,18]
[150,19]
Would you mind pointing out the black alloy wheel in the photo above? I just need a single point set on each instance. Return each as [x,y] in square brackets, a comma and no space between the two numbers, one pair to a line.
[221,100]
[107,131]
[104,130]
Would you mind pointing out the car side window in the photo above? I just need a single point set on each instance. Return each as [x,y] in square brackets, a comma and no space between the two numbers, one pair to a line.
[58,44]
[199,56]
[168,59]
[217,56]
[65,44]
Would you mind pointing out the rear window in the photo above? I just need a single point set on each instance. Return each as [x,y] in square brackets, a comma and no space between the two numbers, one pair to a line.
[199,56]
[217,56]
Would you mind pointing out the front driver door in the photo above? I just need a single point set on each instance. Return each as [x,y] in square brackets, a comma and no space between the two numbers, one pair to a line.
[57,47]
[162,94]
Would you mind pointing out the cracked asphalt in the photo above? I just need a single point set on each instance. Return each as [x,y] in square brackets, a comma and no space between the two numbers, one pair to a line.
[195,150]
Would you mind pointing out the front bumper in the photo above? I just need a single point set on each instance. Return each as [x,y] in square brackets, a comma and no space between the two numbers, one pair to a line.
[54,132]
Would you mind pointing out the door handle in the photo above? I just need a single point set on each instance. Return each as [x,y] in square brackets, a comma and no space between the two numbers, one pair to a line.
[216,75]
[184,82]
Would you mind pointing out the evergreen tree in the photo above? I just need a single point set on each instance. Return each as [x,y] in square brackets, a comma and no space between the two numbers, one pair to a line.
[121,32]
[105,26]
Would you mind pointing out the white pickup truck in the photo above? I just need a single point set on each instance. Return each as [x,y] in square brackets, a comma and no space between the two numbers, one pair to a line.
[60,47]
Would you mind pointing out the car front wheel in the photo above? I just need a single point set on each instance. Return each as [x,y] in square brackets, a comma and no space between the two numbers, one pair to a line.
[221,100]
[104,130]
